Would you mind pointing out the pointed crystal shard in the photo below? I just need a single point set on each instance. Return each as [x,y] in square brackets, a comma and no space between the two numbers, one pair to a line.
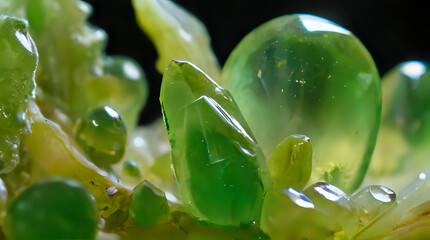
[290,164]
[220,169]
[333,201]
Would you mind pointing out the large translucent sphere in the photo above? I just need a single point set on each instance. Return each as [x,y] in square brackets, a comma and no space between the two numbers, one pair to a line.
[301,74]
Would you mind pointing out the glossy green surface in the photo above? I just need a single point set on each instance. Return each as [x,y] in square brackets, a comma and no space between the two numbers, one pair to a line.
[102,135]
[53,208]
[301,74]
[336,204]
[409,214]
[405,122]
[290,164]
[61,31]
[289,214]
[373,202]
[123,86]
[18,61]
[220,169]
[148,206]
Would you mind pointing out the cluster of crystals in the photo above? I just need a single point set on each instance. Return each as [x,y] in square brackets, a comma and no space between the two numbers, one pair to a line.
[73,74]
[208,176]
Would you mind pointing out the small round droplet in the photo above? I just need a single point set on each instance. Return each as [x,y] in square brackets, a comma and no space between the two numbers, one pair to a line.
[102,135]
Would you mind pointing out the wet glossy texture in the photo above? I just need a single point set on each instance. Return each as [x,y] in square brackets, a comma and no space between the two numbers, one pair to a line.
[53,208]
[333,201]
[301,74]
[405,124]
[373,201]
[102,135]
[220,169]
[148,206]
[290,164]
[289,214]
[18,61]
[411,211]
[81,77]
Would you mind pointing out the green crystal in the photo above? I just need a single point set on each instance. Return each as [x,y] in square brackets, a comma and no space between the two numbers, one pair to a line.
[333,201]
[53,208]
[301,74]
[102,135]
[177,34]
[148,205]
[220,169]
[290,164]
[18,61]
[372,202]
[289,214]
[405,122]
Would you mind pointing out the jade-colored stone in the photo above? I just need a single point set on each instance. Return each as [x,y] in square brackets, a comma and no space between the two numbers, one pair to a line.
[102,135]
[221,172]
[372,202]
[52,208]
[177,34]
[148,206]
[18,61]
[405,123]
[335,203]
[301,74]
[290,164]
[289,214]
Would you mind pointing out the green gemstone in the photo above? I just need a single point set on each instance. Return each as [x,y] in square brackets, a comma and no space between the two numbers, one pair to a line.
[289,214]
[102,135]
[405,121]
[18,61]
[333,201]
[53,208]
[148,205]
[301,74]
[220,169]
[372,202]
[290,164]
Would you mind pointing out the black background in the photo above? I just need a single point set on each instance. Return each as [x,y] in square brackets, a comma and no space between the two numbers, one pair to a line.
[392,31]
